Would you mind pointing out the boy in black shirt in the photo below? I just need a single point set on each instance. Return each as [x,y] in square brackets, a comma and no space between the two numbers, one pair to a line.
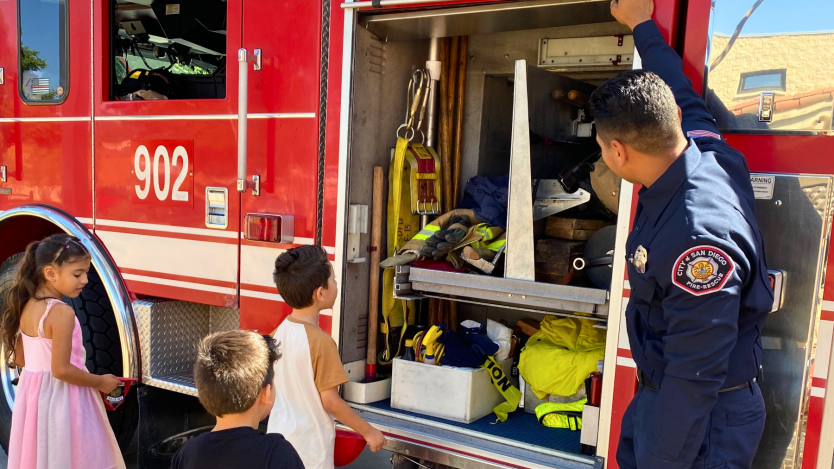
[234,380]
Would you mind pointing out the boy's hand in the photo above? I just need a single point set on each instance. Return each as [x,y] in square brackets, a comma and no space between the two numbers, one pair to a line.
[632,12]
[376,440]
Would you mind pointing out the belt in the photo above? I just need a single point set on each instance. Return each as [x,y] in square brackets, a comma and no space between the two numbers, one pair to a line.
[647,383]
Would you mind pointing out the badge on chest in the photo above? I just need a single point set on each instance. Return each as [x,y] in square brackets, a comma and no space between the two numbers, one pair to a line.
[639,260]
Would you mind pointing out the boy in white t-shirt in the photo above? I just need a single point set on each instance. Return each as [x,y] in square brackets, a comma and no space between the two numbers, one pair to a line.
[308,376]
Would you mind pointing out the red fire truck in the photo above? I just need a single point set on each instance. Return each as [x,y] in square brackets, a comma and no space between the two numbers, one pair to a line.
[187,143]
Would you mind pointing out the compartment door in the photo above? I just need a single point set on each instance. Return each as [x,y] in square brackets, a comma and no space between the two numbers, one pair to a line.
[283,144]
[768,81]
[45,121]
[166,204]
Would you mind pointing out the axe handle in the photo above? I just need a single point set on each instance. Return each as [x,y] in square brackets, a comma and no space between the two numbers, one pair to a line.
[373,292]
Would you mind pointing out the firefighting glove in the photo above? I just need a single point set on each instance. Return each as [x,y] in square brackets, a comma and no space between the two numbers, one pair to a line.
[461,219]
[455,236]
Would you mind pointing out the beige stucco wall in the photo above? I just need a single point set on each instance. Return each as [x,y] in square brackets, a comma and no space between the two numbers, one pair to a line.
[808,59]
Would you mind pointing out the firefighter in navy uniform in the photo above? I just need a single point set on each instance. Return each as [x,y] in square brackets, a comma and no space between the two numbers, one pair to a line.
[700,291]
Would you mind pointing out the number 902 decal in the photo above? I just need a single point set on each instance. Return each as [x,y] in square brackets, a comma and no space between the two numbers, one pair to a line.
[163,172]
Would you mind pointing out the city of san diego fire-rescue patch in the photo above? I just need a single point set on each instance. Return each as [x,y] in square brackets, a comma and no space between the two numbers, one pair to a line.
[702,270]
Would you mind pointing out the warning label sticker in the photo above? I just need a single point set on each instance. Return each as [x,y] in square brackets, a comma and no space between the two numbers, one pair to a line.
[173,9]
[762,186]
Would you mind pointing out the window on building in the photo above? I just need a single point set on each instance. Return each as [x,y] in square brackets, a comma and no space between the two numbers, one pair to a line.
[43,52]
[169,49]
[766,80]
[756,50]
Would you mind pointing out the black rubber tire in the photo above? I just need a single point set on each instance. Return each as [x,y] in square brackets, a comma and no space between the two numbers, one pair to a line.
[7,273]
[101,342]
[104,350]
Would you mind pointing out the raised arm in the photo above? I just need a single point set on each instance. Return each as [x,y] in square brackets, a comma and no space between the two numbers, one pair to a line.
[661,59]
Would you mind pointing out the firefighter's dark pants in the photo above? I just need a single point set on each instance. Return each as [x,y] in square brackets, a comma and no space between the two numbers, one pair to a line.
[735,428]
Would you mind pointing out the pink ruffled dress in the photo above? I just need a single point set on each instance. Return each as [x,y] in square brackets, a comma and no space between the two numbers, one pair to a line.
[56,424]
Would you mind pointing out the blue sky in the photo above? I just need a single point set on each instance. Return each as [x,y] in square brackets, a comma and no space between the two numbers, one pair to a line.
[774,16]
[39,28]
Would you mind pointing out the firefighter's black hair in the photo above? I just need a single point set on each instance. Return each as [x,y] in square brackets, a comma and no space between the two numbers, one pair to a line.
[636,108]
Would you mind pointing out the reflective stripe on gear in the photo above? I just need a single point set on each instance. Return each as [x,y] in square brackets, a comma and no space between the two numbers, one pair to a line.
[561,415]
[426,232]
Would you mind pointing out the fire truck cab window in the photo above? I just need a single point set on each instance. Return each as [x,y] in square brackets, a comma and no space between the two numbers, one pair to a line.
[769,69]
[42,51]
[168,49]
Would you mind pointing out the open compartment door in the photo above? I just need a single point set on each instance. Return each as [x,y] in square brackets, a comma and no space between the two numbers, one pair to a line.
[535,112]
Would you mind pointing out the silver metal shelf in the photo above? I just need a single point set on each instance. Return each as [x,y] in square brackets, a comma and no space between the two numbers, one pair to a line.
[479,19]
[509,293]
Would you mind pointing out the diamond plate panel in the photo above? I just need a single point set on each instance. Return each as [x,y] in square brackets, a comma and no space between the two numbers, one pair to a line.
[224,319]
[168,335]
[183,384]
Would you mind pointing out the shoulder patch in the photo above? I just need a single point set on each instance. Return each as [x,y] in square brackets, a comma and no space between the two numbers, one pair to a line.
[702,270]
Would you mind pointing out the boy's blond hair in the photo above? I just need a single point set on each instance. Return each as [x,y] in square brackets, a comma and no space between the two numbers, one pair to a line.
[231,369]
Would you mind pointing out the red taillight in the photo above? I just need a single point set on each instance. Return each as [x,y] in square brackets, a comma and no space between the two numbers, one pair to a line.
[269,228]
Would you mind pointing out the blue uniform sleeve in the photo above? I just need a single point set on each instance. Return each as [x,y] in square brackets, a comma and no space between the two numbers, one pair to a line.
[661,59]
[701,282]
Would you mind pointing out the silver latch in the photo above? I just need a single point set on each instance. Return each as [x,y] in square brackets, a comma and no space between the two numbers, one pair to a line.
[777,283]
[766,106]
[3,174]
[357,226]
[1,75]
[217,207]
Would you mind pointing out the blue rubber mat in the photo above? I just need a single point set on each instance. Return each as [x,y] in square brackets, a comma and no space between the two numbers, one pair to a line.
[520,426]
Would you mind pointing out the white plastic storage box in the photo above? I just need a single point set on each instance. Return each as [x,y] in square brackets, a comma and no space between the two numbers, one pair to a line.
[366,393]
[458,394]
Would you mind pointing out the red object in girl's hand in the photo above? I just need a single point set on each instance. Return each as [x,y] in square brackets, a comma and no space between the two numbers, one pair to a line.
[348,447]
[116,397]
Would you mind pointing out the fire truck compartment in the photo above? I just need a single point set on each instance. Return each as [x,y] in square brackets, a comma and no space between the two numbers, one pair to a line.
[381,74]
[521,436]
[386,50]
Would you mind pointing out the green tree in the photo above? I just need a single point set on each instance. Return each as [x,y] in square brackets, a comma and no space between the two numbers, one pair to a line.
[30,60]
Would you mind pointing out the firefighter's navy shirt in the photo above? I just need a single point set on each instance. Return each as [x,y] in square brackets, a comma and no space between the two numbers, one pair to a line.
[243,447]
[695,314]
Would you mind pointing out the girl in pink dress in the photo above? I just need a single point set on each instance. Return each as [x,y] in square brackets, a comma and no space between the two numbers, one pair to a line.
[58,419]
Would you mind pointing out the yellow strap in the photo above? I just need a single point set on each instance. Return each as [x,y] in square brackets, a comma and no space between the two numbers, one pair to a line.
[505,387]
[383,328]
